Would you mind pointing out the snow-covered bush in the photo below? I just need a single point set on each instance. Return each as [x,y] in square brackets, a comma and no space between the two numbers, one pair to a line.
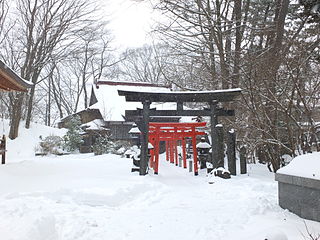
[51,145]
[118,147]
[73,138]
[100,146]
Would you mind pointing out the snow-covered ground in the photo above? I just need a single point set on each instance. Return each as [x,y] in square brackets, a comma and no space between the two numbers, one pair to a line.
[87,197]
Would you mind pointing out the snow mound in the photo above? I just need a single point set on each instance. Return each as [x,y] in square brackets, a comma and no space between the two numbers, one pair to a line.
[24,145]
[307,166]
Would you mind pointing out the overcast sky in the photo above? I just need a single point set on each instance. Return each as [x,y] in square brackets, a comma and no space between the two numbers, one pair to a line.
[130,20]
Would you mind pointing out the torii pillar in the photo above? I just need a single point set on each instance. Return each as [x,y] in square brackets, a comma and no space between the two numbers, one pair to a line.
[214,139]
[144,128]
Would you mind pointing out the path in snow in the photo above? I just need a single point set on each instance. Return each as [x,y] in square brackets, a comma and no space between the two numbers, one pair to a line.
[83,197]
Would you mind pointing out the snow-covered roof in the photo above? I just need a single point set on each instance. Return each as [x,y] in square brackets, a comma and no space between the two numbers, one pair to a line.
[97,124]
[112,106]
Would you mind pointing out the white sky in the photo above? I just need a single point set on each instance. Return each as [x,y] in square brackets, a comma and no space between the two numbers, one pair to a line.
[130,21]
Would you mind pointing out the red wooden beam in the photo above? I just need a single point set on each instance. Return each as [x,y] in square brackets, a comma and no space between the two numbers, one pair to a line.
[175,124]
[167,150]
[195,157]
[170,136]
[184,153]
[171,152]
[156,152]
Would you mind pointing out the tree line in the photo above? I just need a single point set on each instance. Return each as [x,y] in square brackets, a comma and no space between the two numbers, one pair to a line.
[270,49]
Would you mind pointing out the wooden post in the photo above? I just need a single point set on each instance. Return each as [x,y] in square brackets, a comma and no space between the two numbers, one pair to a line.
[175,145]
[184,153]
[3,148]
[174,161]
[220,146]
[144,141]
[231,152]
[171,152]
[213,123]
[167,150]
[194,149]
[243,160]
[152,156]
[156,152]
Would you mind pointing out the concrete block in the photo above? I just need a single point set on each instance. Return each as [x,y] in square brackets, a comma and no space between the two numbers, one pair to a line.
[300,196]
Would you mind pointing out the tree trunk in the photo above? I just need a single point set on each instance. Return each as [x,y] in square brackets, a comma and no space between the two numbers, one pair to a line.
[48,109]
[16,113]
[237,54]
[29,107]
[34,80]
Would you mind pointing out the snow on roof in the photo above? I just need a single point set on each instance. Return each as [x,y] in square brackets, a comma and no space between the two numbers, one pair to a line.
[134,130]
[162,90]
[307,166]
[97,124]
[112,106]
[203,145]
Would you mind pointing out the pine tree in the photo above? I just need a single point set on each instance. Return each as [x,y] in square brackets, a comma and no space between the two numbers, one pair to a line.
[100,146]
[73,138]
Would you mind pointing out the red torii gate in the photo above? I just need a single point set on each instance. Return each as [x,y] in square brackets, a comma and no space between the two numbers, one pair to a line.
[171,133]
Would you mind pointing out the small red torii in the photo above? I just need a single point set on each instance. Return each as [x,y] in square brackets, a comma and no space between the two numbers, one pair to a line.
[171,133]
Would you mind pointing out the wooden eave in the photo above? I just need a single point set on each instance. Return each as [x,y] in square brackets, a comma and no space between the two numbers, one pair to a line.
[10,81]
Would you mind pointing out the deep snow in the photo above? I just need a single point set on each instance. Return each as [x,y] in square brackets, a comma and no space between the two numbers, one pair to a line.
[307,166]
[87,197]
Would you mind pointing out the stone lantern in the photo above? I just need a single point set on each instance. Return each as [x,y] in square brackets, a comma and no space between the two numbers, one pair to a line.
[203,149]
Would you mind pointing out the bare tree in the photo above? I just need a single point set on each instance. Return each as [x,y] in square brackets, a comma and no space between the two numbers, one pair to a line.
[204,31]
[250,44]
[145,64]
[43,28]
[3,12]
[90,59]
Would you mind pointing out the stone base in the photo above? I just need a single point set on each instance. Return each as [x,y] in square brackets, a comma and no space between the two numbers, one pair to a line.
[299,195]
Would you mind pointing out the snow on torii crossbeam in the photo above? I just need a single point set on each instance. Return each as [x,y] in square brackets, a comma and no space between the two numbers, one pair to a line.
[142,117]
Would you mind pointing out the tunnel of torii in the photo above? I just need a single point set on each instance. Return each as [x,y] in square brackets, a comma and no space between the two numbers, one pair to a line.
[171,133]
[142,118]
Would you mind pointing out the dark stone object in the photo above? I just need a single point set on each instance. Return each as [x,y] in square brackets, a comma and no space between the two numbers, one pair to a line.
[221,172]
[243,160]
[220,147]
[299,195]
[231,152]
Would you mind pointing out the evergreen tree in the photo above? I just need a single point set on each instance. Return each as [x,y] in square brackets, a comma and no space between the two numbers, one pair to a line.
[100,146]
[73,138]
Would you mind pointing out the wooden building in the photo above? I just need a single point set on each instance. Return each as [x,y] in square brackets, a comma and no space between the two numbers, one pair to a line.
[10,81]
[107,105]
[86,116]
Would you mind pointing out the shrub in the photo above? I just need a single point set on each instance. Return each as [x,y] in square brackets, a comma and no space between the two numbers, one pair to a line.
[118,147]
[51,145]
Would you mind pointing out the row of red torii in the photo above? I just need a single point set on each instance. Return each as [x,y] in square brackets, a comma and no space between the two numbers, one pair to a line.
[172,132]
